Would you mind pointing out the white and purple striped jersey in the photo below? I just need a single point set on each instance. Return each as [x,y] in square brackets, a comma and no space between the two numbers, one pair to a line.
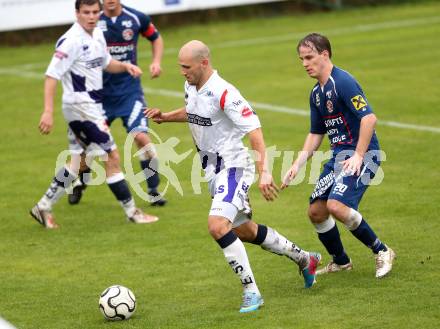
[219,117]
[79,61]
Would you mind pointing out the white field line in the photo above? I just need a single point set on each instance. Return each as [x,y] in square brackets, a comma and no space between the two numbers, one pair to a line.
[283,38]
[294,111]
[22,70]
[257,105]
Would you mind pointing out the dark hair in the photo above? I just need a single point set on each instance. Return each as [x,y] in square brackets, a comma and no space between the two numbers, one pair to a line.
[79,3]
[317,41]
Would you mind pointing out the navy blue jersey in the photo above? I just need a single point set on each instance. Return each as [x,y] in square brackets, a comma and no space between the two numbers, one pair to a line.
[122,34]
[337,110]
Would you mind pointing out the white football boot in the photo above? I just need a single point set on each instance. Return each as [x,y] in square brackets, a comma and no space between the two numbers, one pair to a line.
[332,267]
[384,262]
[44,217]
[139,217]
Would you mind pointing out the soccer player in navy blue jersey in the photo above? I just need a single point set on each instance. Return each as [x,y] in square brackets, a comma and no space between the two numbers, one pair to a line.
[339,108]
[123,95]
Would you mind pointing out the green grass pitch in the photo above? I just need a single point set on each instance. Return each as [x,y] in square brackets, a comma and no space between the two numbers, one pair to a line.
[52,279]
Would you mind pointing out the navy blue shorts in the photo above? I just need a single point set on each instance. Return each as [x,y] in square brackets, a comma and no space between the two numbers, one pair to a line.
[335,184]
[129,108]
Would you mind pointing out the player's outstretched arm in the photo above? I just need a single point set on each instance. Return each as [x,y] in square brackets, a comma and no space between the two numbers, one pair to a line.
[158,116]
[311,144]
[266,184]
[46,120]
[119,67]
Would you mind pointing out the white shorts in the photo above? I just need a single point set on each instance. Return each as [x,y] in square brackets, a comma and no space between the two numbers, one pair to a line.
[88,131]
[229,191]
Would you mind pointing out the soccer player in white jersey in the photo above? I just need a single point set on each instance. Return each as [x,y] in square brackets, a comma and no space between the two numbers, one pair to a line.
[80,57]
[124,98]
[219,117]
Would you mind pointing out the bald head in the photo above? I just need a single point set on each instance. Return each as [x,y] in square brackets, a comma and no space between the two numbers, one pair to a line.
[195,50]
[195,62]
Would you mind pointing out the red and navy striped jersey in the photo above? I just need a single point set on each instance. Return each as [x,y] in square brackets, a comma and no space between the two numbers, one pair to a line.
[337,109]
[122,34]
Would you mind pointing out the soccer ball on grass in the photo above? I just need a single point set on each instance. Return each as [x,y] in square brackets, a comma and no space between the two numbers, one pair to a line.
[117,303]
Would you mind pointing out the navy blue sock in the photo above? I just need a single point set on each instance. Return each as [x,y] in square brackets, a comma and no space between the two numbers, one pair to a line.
[84,176]
[121,191]
[366,235]
[227,239]
[332,242]
[150,168]
[261,234]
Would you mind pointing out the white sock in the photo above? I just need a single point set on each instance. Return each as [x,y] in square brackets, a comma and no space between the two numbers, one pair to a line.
[57,188]
[354,220]
[53,194]
[236,256]
[325,226]
[129,207]
[279,245]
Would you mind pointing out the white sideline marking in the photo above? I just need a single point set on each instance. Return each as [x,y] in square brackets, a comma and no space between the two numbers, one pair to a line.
[257,105]
[282,38]
[294,111]
[21,70]
[332,32]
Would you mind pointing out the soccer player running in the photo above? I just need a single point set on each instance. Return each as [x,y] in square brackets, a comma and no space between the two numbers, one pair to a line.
[339,108]
[80,57]
[123,94]
[219,117]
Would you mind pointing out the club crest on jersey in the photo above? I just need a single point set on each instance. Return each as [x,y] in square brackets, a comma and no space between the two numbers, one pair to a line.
[127,23]
[329,106]
[317,100]
[358,102]
[102,25]
[329,94]
[127,34]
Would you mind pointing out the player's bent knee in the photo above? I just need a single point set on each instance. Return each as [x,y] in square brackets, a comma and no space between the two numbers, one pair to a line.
[336,209]
[218,226]
[313,215]
[149,151]
[141,139]
[317,213]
